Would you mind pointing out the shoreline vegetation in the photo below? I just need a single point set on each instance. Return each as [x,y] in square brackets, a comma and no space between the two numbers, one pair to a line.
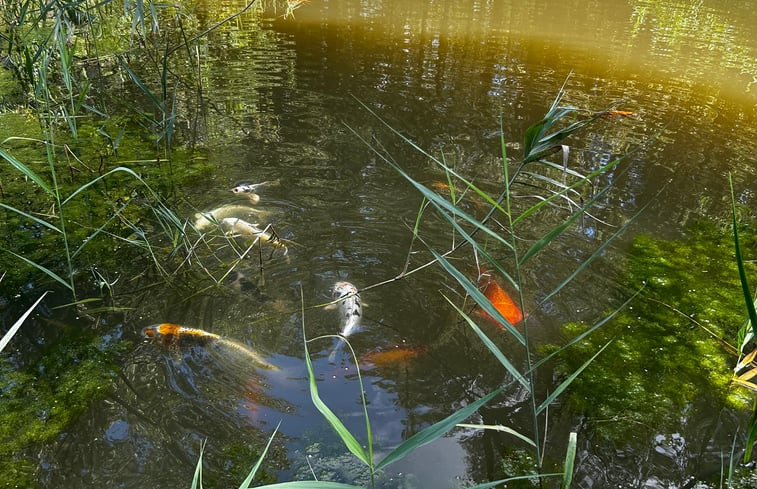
[76,165]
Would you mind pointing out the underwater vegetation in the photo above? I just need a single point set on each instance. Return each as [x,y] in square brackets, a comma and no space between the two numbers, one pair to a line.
[676,345]
[39,402]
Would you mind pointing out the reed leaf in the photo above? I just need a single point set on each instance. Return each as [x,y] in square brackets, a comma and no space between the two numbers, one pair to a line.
[557,230]
[141,85]
[434,431]
[748,298]
[472,290]
[493,348]
[311,485]
[114,170]
[347,438]
[594,255]
[39,221]
[566,383]
[197,479]
[588,331]
[46,271]
[13,329]
[26,171]
[503,429]
[248,480]
[488,485]
[751,434]
[570,458]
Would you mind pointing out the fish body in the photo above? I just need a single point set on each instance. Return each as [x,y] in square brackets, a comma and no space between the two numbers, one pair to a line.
[501,301]
[210,219]
[394,357]
[350,309]
[174,336]
[234,226]
[250,188]
[350,306]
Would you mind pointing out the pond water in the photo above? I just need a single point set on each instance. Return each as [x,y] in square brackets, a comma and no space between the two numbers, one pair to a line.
[286,100]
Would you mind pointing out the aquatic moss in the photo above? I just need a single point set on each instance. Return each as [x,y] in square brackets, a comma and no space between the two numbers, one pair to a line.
[668,348]
[39,402]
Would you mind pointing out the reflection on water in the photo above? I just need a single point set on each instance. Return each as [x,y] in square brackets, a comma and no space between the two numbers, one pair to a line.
[282,101]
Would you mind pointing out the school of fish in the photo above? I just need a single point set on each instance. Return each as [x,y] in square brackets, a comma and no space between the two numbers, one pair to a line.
[232,220]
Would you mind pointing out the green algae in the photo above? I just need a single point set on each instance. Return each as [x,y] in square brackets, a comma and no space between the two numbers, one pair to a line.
[39,402]
[671,349]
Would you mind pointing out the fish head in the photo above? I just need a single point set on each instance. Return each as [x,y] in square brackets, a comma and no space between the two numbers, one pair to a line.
[342,289]
[160,330]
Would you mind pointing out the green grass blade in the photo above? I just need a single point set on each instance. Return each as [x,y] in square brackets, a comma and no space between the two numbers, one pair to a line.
[141,85]
[26,171]
[748,298]
[570,458]
[248,480]
[311,485]
[566,383]
[588,331]
[594,255]
[347,438]
[39,267]
[488,485]
[39,221]
[197,479]
[493,348]
[114,170]
[503,429]
[13,329]
[561,193]
[472,290]
[434,431]
[556,231]
[751,435]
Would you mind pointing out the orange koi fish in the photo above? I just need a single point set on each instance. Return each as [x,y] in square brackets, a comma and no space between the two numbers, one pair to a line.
[621,113]
[395,357]
[173,336]
[501,301]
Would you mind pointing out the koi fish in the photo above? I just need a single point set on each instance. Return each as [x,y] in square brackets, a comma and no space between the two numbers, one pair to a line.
[210,219]
[621,113]
[250,188]
[173,336]
[234,226]
[395,357]
[501,301]
[350,308]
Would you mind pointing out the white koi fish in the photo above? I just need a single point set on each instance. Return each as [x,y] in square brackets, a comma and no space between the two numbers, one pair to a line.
[249,188]
[350,309]
[173,336]
[210,219]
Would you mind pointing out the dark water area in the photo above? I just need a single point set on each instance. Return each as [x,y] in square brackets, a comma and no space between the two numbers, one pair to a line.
[298,101]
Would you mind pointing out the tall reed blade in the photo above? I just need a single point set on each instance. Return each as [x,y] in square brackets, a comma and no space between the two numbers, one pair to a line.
[13,329]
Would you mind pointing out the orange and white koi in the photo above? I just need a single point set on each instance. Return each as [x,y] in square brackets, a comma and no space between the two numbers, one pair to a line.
[174,336]
[501,301]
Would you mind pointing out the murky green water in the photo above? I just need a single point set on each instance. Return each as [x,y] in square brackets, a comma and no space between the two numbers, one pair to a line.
[282,100]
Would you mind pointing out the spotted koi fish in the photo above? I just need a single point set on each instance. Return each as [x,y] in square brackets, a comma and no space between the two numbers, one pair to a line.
[233,226]
[350,309]
[174,336]
[249,188]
